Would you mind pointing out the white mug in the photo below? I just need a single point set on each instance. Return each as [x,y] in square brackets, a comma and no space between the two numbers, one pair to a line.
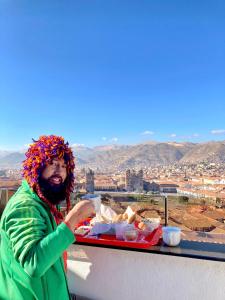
[171,235]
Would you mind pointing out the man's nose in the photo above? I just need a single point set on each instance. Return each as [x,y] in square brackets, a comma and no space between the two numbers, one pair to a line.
[57,166]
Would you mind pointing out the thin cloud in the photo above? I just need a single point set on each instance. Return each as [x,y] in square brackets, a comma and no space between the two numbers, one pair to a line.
[110,140]
[218,131]
[184,137]
[147,132]
[189,137]
[77,145]
[114,140]
[196,135]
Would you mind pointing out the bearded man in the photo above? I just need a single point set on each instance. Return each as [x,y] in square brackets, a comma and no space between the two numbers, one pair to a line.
[34,235]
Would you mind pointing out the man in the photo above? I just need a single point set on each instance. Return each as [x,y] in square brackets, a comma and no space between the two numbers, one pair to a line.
[33,233]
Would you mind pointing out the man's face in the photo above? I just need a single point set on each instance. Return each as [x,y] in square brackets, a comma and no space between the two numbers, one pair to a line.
[53,181]
[55,172]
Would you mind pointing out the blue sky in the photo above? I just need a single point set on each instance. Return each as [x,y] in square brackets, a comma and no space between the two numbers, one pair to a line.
[102,72]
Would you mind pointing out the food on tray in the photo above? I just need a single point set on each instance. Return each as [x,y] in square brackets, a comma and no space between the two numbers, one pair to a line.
[119,229]
[131,219]
[111,223]
[142,226]
[105,216]
[82,230]
[154,220]
[131,215]
[128,216]
[117,218]
[132,240]
[125,216]
[105,219]
[148,225]
[130,235]
[100,228]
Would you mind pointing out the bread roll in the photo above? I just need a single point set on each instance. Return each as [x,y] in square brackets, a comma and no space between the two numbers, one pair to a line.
[131,218]
[125,216]
[142,226]
[118,218]
[105,220]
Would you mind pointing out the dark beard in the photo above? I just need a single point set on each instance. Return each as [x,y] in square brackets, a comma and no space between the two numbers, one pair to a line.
[55,193]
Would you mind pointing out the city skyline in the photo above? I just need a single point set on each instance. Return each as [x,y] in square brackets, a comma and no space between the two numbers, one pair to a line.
[112,72]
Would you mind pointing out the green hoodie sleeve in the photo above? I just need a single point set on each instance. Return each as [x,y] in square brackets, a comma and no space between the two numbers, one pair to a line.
[33,247]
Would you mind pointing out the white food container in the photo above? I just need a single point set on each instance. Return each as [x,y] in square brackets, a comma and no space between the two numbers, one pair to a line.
[171,235]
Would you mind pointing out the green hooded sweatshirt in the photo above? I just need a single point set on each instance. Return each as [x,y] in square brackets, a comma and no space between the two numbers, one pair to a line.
[31,249]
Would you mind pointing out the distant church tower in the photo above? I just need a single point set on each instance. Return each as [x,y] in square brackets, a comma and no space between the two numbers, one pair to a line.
[90,181]
[140,181]
[128,181]
[134,181]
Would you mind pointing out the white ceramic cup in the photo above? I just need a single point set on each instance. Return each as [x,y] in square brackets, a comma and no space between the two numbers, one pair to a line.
[171,235]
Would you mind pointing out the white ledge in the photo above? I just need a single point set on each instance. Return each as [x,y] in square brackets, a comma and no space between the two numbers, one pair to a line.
[109,274]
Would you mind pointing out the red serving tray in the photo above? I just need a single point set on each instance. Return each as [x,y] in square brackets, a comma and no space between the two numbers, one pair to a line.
[106,239]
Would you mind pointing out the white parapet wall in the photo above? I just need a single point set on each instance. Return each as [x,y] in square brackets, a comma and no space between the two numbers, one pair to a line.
[110,274]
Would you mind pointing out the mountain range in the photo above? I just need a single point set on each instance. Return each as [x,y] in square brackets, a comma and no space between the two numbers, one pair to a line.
[121,157]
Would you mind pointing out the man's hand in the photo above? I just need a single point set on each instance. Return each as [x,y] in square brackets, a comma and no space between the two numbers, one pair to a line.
[80,212]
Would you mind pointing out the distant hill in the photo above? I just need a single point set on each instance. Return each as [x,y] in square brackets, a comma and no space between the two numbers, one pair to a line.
[138,156]
[206,152]
[12,160]
[121,157]
[4,153]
